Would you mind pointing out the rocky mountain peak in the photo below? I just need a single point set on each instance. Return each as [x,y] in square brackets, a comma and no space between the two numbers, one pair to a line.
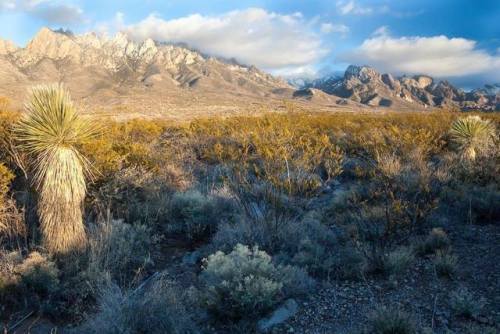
[361,73]
[366,85]
[7,47]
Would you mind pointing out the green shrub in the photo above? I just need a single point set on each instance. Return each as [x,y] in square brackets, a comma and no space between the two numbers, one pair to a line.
[245,283]
[465,304]
[120,249]
[445,263]
[390,321]
[156,308]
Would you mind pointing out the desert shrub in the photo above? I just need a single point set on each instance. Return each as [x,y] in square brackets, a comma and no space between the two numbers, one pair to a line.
[321,250]
[26,281]
[437,239]
[196,216]
[133,194]
[390,321]
[121,249]
[445,263]
[12,226]
[472,136]
[291,154]
[245,283]
[6,176]
[306,242]
[11,290]
[156,308]
[39,274]
[465,304]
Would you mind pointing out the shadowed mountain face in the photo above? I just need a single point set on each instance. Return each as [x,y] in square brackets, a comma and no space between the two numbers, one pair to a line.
[365,85]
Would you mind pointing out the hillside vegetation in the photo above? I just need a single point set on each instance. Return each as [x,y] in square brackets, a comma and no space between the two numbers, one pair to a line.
[371,223]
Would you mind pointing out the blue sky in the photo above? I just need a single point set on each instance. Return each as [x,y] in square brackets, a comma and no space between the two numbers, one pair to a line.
[458,40]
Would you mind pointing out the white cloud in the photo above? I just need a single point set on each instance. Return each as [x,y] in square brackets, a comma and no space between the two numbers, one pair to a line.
[50,11]
[438,56]
[328,28]
[252,36]
[351,7]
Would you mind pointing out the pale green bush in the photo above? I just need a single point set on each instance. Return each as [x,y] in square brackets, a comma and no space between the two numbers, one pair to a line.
[246,283]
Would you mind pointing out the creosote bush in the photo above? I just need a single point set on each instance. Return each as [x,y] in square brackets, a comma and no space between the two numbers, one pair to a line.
[246,283]
[49,134]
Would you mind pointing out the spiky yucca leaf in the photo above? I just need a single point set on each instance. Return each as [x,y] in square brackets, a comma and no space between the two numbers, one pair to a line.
[48,134]
[472,135]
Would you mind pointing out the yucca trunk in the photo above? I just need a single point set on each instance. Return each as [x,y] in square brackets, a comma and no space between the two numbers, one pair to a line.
[60,202]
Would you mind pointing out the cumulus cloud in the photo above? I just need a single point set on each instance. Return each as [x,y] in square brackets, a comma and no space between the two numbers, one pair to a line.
[328,28]
[252,36]
[50,11]
[439,56]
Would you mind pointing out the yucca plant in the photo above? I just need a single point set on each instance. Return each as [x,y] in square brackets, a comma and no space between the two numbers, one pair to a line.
[472,135]
[49,134]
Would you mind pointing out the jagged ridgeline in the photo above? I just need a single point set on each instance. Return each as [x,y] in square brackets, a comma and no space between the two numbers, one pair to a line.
[365,85]
[122,76]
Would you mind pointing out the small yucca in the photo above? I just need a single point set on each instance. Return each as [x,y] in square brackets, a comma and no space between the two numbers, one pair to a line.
[48,133]
[472,135]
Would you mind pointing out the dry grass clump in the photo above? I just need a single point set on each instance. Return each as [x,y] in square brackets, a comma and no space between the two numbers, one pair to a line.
[445,263]
[436,240]
[155,308]
[387,320]
[49,134]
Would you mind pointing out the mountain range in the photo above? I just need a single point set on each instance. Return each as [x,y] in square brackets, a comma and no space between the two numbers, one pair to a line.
[365,85]
[121,77]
